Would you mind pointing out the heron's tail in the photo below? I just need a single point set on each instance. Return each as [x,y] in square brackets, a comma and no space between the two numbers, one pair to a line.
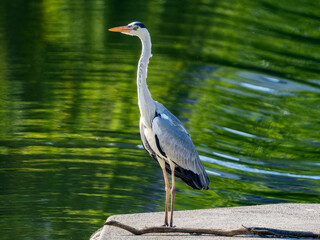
[194,180]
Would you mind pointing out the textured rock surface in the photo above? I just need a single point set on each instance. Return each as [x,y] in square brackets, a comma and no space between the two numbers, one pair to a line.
[297,217]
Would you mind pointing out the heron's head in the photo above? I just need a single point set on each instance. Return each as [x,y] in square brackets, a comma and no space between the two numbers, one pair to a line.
[133,29]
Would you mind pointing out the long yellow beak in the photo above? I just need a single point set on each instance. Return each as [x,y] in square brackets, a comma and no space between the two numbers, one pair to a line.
[123,29]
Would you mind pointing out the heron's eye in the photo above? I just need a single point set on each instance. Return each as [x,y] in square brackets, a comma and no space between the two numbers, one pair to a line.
[135,28]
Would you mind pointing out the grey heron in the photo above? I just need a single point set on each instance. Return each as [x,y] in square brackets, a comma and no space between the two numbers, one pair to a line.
[162,134]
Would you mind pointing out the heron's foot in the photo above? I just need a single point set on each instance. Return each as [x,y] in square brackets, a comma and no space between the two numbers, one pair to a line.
[165,225]
[172,226]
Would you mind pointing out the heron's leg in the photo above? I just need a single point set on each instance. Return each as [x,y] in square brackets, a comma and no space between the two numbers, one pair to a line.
[173,192]
[167,187]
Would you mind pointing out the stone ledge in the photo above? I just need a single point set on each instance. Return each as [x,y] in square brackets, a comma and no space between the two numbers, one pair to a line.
[295,217]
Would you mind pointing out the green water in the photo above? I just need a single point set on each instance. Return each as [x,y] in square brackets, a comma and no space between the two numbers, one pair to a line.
[243,77]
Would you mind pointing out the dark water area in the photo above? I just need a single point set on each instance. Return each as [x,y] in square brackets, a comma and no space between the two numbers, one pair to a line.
[242,76]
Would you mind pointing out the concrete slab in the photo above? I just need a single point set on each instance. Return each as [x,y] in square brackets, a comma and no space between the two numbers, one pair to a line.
[296,217]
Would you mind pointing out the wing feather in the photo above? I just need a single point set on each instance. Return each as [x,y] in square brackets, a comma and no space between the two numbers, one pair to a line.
[176,143]
[166,114]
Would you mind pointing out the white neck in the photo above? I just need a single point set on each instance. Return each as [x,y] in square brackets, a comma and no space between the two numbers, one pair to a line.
[145,102]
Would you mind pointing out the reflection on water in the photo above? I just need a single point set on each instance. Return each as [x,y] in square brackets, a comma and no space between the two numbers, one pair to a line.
[243,77]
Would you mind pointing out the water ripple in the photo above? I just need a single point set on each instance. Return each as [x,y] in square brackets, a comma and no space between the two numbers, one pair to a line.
[245,168]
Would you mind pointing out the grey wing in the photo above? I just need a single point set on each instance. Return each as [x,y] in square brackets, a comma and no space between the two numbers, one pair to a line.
[174,144]
[166,114]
